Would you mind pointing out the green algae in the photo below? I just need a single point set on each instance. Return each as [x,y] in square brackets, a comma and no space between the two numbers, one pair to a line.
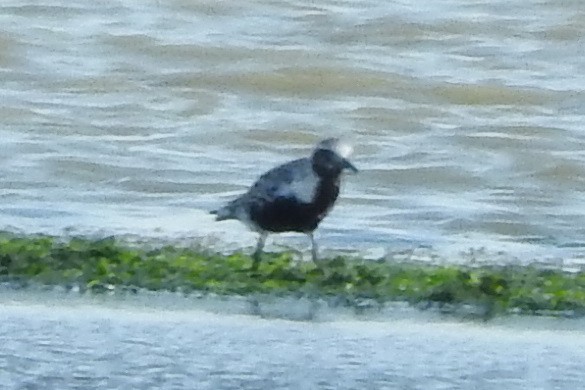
[109,264]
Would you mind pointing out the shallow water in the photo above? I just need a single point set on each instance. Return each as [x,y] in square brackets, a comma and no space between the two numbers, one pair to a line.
[72,342]
[140,116]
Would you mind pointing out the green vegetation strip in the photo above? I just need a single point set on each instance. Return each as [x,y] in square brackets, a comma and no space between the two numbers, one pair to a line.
[108,264]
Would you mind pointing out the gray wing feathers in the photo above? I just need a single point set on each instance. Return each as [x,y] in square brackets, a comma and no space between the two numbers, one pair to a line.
[293,179]
[284,181]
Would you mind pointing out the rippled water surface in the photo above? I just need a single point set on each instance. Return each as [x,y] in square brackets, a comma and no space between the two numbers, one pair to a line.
[74,343]
[140,116]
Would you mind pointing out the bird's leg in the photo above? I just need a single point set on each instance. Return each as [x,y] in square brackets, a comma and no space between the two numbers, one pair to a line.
[313,247]
[257,256]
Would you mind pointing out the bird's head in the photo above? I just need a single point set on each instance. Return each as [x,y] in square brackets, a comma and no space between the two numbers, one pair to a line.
[330,158]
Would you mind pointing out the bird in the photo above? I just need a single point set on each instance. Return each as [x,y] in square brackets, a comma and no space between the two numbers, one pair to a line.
[292,197]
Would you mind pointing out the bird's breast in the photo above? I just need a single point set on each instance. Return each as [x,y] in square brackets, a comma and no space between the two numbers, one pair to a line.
[290,213]
[326,193]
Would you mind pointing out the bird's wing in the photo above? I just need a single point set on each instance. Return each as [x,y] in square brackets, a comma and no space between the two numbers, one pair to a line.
[295,179]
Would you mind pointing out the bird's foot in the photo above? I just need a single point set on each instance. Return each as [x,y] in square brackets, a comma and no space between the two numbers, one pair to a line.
[253,269]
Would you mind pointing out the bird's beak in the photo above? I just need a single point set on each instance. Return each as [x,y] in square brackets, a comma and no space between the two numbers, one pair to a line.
[350,166]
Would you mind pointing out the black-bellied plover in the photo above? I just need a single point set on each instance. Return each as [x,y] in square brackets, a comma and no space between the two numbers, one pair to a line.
[293,197]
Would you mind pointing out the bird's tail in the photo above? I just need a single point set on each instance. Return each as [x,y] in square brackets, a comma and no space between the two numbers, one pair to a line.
[225,212]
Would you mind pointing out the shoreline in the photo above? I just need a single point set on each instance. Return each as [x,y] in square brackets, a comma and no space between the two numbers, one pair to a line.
[111,265]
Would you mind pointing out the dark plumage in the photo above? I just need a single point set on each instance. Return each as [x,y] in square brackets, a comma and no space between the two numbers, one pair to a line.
[293,197]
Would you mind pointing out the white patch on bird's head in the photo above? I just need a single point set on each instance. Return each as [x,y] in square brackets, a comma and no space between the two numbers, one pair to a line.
[341,148]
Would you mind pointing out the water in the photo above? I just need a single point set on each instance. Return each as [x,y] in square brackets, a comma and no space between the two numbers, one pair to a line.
[140,116]
[65,342]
